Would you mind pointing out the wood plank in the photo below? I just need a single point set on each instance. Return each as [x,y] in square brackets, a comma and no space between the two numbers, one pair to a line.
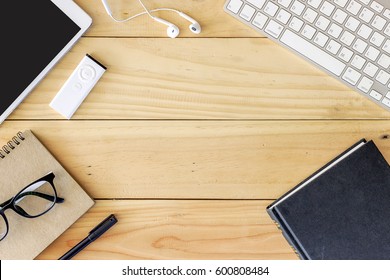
[209,13]
[177,230]
[200,79]
[195,159]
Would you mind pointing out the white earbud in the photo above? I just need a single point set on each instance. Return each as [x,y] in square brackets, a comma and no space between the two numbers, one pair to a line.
[195,26]
[172,30]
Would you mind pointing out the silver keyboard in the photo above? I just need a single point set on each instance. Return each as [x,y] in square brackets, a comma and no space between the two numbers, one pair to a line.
[349,39]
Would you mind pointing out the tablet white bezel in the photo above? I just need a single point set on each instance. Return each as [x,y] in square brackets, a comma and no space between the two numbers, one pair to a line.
[83,20]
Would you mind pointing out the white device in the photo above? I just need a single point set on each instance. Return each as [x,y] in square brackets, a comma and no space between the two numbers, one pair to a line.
[78,86]
[172,31]
[349,39]
[44,33]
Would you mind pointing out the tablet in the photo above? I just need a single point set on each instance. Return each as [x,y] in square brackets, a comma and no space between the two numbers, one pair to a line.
[35,36]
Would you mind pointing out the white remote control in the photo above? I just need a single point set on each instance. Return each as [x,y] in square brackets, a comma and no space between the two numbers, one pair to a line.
[78,86]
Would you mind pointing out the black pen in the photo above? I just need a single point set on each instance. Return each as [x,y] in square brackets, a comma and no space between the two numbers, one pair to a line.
[92,236]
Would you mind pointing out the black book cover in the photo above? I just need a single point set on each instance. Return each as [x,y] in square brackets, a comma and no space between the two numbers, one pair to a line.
[342,211]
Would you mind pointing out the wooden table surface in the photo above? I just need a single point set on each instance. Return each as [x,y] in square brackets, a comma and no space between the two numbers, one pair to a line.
[187,140]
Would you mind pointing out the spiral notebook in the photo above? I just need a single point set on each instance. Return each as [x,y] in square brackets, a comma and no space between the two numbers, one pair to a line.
[23,160]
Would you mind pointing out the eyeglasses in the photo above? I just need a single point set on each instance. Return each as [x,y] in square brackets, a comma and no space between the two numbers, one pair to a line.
[31,202]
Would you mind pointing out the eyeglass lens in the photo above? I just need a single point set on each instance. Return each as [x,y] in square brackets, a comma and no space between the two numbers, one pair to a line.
[36,199]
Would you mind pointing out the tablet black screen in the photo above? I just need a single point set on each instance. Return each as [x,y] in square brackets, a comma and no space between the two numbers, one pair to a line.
[33,33]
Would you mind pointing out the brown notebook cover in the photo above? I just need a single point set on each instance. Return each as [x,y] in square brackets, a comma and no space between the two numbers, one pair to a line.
[23,160]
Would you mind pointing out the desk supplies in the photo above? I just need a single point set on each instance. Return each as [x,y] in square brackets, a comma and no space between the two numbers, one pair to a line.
[50,28]
[78,86]
[94,234]
[347,39]
[22,160]
[342,211]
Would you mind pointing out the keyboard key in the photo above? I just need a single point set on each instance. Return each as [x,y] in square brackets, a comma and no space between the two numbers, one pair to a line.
[333,47]
[335,30]
[340,16]
[384,61]
[347,38]
[271,9]
[234,5]
[365,84]
[296,24]
[314,3]
[308,32]
[322,23]
[283,16]
[387,30]
[364,31]
[351,76]
[366,15]
[321,39]
[257,3]
[310,15]
[260,20]
[358,62]
[366,2]
[285,3]
[386,46]
[327,8]
[247,12]
[387,13]
[354,7]
[297,8]
[386,102]
[345,54]
[313,53]
[352,24]
[274,29]
[378,23]
[372,53]
[341,3]
[370,69]
[383,77]
[376,95]
[377,7]
[360,45]
[377,39]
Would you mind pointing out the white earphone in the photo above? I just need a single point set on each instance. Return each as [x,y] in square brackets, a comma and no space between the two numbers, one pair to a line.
[172,30]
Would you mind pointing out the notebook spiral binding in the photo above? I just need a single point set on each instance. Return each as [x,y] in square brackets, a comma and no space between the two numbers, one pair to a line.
[15,141]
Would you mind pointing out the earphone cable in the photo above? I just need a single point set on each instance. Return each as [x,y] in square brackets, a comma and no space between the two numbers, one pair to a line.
[143,13]
[146,9]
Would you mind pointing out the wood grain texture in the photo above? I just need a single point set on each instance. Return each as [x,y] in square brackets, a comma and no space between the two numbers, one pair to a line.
[209,13]
[177,230]
[192,159]
[197,79]
[188,140]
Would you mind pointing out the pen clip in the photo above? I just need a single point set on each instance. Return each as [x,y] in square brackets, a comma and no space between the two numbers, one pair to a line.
[109,220]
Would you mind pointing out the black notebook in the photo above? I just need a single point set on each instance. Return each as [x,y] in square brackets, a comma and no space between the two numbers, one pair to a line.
[342,211]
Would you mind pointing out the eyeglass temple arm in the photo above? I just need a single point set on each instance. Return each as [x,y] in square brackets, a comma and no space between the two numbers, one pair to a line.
[43,195]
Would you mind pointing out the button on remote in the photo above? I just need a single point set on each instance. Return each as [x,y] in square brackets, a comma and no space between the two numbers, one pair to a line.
[87,73]
[78,86]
